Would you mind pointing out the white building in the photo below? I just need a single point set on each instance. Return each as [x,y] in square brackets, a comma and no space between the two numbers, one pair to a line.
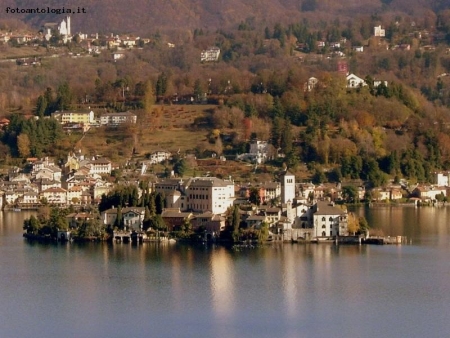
[441,179]
[379,32]
[114,119]
[287,187]
[159,156]
[63,29]
[100,166]
[209,194]
[354,81]
[133,217]
[55,196]
[260,151]
[329,221]
[210,54]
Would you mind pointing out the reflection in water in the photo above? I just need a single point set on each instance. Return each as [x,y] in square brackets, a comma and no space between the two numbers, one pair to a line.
[161,290]
[222,283]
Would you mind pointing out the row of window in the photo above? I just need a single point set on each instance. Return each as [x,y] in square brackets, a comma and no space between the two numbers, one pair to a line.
[201,197]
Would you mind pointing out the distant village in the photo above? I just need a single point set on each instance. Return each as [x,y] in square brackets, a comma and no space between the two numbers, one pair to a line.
[292,210]
[53,34]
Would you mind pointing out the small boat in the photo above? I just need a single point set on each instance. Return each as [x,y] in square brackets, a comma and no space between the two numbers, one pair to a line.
[17,209]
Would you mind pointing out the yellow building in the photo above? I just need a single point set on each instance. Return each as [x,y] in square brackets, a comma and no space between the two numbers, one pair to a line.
[84,117]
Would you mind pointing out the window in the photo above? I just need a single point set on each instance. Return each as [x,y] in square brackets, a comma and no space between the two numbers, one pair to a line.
[323,219]
[331,219]
[324,226]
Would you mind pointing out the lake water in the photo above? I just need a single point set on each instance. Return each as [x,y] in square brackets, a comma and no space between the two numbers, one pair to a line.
[100,290]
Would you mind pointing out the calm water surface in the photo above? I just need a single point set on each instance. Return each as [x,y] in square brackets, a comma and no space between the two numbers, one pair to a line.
[99,290]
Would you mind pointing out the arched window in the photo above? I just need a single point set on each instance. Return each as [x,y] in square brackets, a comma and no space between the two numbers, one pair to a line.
[323,234]
[324,226]
[331,219]
[323,219]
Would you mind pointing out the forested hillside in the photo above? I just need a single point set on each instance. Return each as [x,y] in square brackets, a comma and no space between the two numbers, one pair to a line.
[143,16]
[397,127]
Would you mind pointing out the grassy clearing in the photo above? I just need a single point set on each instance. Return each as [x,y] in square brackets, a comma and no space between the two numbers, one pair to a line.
[172,128]
[22,52]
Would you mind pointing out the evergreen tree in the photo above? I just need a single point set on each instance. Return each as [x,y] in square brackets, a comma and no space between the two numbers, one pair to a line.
[235,223]
[41,106]
[119,219]
[159,202]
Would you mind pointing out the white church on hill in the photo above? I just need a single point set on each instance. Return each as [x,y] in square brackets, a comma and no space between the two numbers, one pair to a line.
[63,29]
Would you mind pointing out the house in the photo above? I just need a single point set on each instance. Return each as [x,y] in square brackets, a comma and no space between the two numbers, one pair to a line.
[379,32]
[396,194]
[354,81]
[130,41]
[133,217]
[273,214]
[47,183]
[212,223]
[159,156]
[41,164]
[74,219]
[377,83]
[329,221]
[118,55]
[209,55]
[335,45]
[358,49]
[428,192]
[115,119]
[55,196]
[310,84]
[260,151]
[270,191]
[30,198]
[174,218]
[381,194]
[169,185]
[441,178]
[11,197]
[77,117]
[256,221]
[209,194]
[49,172]
[74,195]
[100,188]
[100,166]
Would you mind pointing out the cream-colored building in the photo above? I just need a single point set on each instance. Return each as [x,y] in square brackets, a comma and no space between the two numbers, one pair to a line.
[55,196]
[84,117]
[100,166]
[209,194]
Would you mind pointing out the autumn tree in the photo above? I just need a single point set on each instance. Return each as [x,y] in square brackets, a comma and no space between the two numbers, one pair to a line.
[23,145]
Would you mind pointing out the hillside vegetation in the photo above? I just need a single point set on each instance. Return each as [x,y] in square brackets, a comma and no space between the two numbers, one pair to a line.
[256,90]
[143,16]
